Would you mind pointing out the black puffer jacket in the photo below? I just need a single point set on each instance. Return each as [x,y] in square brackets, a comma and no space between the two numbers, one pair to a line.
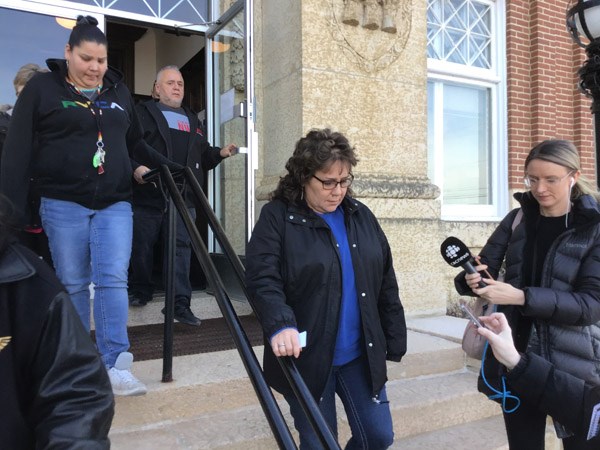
[565,309]
[560,395]
[54,388]
[294,279]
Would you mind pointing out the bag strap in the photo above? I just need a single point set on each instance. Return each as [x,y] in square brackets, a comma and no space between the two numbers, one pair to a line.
[517,219]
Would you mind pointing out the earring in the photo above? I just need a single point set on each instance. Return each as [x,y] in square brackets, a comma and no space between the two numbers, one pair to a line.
[302,194]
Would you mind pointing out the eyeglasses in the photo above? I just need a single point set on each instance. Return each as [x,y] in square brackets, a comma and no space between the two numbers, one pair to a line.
[332,184]
[550,181]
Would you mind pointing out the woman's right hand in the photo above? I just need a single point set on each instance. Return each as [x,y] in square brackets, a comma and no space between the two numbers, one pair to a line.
[498,334]
[286,343]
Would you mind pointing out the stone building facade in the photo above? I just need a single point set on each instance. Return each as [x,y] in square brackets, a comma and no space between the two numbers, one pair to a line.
[334,63]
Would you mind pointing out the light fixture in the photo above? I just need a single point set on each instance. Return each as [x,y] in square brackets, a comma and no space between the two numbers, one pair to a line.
[219,47]
[583,20]
[66,23]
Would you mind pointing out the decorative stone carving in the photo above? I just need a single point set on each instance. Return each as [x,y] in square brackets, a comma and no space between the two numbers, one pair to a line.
[353,24]
[353,12]
[371,13]
[389,9]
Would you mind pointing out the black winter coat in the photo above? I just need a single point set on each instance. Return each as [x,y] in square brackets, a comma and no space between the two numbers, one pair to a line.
[294,279]
[54,388]
[564,397]
[201,156]
[52,138]
[565,309]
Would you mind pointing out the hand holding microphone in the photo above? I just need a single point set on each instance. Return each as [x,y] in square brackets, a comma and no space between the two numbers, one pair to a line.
[457,254]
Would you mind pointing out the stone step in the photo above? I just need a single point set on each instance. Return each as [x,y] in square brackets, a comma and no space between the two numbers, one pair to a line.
[485,433]
[211,404]
[226,413]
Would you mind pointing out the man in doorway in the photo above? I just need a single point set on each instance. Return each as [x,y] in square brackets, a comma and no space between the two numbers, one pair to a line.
[173,130]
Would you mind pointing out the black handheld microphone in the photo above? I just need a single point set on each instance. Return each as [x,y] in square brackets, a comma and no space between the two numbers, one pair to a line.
[457,254]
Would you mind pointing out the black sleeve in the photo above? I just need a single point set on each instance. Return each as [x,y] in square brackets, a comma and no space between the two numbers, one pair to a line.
[17,153]
[264,272]
[391,311]
[492,253]
[568,399]
[74,405]
[210,156]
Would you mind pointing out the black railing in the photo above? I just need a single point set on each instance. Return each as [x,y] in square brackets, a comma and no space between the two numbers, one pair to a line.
[263,392]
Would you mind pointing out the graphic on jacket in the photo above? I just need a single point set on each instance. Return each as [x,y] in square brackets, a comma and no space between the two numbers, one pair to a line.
[4,341]
[101,104]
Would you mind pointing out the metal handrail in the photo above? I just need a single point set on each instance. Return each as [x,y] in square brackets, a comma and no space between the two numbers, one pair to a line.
[268,403]
[265,396]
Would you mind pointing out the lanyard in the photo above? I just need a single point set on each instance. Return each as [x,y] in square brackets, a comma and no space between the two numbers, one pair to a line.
[99,155]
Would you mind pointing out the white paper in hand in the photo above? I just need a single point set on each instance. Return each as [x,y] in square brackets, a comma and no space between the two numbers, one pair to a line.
[302,337]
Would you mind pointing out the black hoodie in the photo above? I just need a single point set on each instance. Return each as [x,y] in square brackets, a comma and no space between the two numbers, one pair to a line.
[59,120]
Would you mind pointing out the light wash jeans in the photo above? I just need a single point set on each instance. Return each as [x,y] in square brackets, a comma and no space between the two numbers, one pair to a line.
[370,421]
[93,246]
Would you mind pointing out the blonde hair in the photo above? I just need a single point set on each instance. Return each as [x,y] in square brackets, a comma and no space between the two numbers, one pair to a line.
[564,153]
[26,73]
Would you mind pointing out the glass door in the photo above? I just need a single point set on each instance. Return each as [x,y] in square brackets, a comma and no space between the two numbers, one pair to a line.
[231,120]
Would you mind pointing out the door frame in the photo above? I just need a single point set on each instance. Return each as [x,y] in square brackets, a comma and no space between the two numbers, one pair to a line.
[212,123]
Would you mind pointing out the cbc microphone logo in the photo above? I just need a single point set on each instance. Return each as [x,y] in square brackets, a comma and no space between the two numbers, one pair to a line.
[452,251]
[452,255]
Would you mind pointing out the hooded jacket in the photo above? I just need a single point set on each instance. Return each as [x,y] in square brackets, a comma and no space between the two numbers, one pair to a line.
[294,279]
[560,320]
[201,156]
[54,388]
[65,126]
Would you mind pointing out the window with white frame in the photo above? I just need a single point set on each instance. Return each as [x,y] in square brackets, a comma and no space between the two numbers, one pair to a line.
[466,104]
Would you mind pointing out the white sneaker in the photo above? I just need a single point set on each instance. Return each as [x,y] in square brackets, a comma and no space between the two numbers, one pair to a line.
[123,382]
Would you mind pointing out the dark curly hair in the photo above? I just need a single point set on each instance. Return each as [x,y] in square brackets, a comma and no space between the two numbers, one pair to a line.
[316,151]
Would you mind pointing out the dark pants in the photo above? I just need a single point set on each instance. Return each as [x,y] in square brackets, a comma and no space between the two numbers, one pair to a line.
[526,430]
[149,225]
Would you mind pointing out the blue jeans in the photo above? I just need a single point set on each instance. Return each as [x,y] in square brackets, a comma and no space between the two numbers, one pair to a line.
[93,246]
[370,422]
[148,225]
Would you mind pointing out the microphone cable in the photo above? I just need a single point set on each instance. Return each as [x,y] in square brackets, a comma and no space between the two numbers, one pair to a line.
[505,395]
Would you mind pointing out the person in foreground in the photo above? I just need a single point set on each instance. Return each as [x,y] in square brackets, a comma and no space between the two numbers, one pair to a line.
[318,262]
[74,130]
[564,397]
[551,292]
[54,388]
[173,130]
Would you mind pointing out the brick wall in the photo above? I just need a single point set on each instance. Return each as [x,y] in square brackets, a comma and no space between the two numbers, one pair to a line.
[543,99]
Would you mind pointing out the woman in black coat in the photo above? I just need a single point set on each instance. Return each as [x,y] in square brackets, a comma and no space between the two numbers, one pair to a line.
[551,293]
[318,263]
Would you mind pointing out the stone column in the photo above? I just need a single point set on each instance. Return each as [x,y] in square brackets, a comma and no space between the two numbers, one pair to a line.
[318,68]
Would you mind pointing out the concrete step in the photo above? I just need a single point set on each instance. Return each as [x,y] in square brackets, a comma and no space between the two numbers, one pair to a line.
[211,403]
[223,415]
[485,433]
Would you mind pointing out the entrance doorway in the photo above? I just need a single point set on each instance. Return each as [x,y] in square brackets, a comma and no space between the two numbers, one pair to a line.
[125,43]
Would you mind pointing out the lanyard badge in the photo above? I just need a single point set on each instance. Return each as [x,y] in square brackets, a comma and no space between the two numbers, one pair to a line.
[98,159]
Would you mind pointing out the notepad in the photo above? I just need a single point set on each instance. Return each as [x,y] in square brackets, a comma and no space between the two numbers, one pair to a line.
[594,423]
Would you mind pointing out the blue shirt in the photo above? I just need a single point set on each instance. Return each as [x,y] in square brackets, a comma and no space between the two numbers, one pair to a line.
[347,345]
